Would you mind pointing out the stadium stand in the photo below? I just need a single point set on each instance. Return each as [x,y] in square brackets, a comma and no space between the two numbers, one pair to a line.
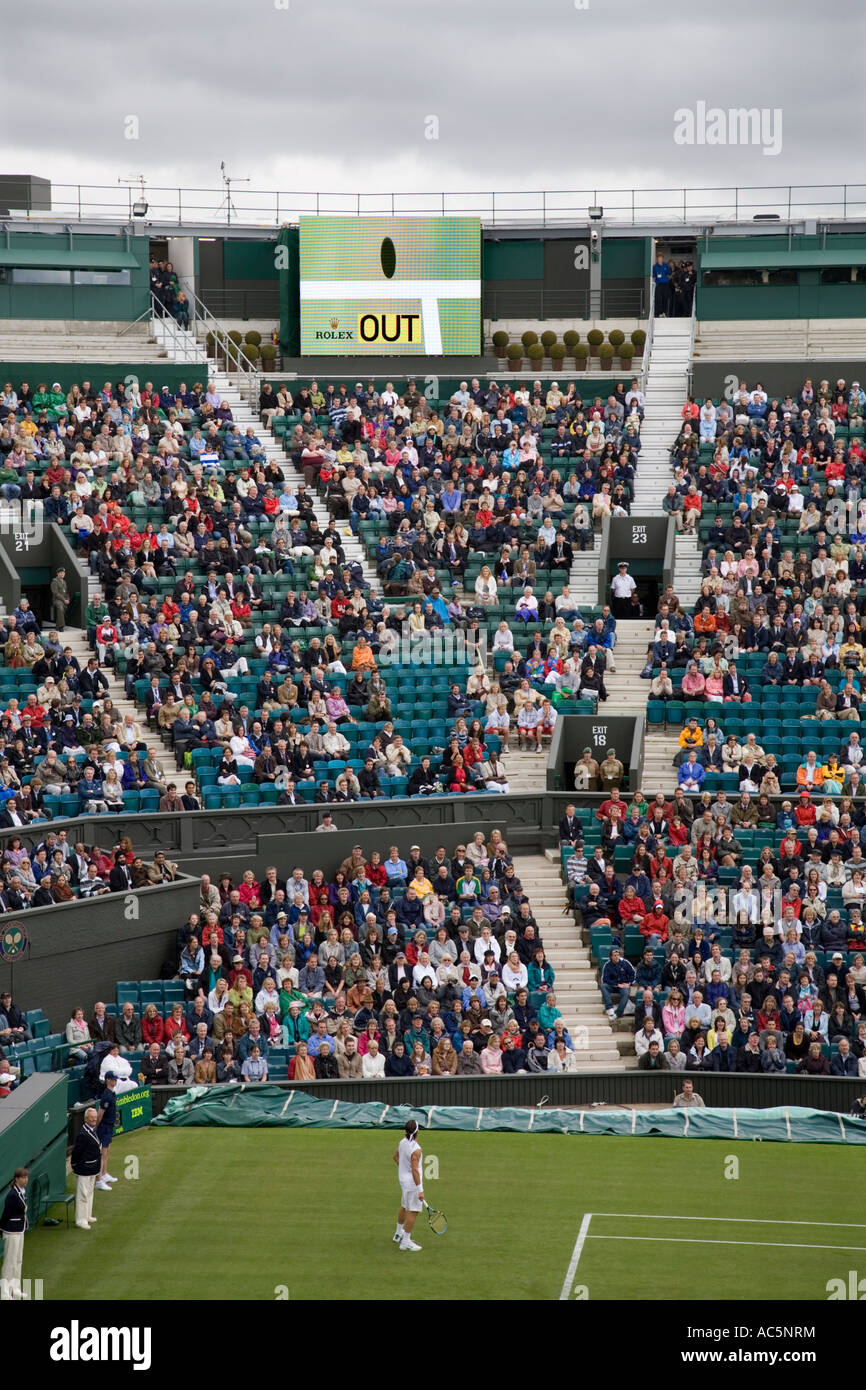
[748,880]
[279,671]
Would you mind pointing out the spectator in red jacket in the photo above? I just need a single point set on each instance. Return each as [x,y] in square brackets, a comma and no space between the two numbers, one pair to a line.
[804,811]
[631,909]
[152,1026]
[655,925]
[175,1024]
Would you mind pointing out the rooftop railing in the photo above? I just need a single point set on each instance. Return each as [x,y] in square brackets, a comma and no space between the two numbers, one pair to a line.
[531,207]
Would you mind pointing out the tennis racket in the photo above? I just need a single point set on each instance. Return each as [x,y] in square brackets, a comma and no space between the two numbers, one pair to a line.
[436,1220]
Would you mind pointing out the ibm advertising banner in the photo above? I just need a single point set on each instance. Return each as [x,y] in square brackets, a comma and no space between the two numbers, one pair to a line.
[134,1109]
[390,286]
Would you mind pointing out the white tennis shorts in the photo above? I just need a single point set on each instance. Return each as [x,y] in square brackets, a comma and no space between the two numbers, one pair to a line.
[410,1199]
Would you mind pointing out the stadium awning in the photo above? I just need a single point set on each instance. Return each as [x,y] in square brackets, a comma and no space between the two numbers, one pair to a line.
[775,260]
[46,258]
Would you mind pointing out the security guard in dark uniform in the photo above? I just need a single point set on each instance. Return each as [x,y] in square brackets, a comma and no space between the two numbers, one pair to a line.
[86,1162]
[13,1224]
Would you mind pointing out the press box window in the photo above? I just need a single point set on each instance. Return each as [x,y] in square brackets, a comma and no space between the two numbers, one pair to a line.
[24,275]
[741,278]
[101,277]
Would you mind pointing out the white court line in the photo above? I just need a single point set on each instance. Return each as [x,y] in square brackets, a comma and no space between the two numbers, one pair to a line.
[575,1256]
[708,1220]
[698,1240]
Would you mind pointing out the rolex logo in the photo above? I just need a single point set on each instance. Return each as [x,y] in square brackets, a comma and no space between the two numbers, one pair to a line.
[335,323]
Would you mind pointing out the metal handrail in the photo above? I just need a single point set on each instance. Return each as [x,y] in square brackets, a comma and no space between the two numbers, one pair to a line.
[145,314]
[648,345]
[237,362]
[548,208]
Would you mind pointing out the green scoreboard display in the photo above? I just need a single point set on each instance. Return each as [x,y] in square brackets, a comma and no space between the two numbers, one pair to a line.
[390,286]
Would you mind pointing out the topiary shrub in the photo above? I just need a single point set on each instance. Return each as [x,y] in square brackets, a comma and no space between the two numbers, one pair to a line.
[528,338]
[581,352]
[605,353]
[638,338]
[626,353]
[514,352]
[595,338]
[535,352]
[235,336]
[500,342]
[571,338]
[251,351]
[548,337]
[616,336]
[253,336]
[268,352]
[557,352]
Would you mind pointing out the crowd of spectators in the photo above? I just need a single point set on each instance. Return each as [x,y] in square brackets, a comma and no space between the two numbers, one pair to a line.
[748,904]
[40,872]
[391,966]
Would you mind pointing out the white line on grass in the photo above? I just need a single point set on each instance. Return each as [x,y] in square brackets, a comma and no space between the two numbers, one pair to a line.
[575,1256]
[700,1240]
[708,1220]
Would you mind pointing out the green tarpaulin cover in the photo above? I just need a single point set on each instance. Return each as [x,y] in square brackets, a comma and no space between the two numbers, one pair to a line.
[270,1106]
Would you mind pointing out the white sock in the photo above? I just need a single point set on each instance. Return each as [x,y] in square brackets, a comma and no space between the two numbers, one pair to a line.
[407,1236]
[399,1231]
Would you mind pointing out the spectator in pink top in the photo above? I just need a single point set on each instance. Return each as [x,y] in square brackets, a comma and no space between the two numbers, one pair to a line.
[694,684]
[337,707]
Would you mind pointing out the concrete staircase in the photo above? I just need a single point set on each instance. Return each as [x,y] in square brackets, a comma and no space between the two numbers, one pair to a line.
[667,385]
[77,640]
[627,693]
[659,774]
[583,575]
[687,569]
[226,384]
[527,772]
[577,994]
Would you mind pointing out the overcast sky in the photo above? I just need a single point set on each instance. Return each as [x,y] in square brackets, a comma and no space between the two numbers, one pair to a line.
[336,95]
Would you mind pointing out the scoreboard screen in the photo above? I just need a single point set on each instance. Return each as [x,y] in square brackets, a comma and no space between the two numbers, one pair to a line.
[390,286]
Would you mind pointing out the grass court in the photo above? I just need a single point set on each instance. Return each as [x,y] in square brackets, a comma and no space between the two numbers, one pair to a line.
[309,1214]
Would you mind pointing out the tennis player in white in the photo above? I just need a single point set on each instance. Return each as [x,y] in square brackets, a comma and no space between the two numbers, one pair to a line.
[407,1157]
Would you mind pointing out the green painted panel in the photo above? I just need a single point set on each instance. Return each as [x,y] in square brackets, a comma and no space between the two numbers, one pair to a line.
[512,260]
[763,258]
[805,300]
[83,258]
[624,258]
[33,1122]
[289,242]
[249,260]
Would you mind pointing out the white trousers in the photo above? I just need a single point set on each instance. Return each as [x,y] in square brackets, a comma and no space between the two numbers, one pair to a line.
[13,1257]
[84,1198]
